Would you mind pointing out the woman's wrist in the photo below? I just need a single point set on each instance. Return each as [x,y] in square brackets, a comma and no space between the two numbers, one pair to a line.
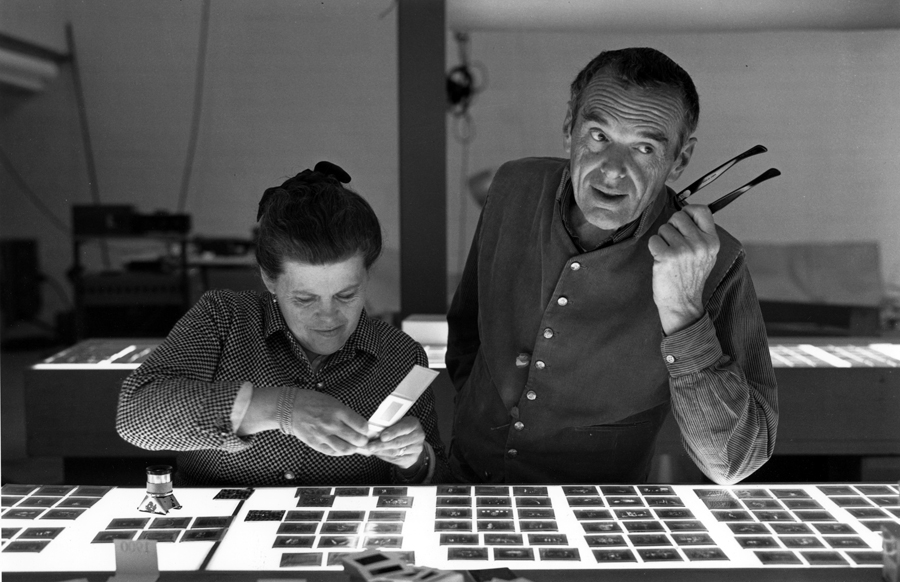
[419,470]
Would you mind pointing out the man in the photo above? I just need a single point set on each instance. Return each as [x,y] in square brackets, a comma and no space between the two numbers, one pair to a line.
[590,305]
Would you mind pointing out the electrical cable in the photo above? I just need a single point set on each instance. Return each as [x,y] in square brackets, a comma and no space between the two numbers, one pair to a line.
[461,92]
[464,133]
[30,194]
[388,10]
[58,288]
[197,108]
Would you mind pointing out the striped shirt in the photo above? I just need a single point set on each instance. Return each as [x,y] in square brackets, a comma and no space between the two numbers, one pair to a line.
[182,398]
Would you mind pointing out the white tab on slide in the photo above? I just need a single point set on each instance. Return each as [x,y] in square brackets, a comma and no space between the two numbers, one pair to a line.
[401,399]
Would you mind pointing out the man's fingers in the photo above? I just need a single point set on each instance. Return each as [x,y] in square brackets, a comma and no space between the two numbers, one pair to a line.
[701,216]
[657,246]
[670,234]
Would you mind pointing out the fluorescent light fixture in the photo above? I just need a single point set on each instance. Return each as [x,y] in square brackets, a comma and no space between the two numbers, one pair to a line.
[26,72]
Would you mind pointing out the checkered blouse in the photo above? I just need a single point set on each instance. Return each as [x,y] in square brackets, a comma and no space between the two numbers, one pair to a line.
[181,398]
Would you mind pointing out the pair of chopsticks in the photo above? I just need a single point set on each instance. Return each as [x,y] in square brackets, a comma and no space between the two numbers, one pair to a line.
[707,179]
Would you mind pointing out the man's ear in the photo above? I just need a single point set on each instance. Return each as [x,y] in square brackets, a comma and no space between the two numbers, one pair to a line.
[269,283]
[567,130]
[682,159]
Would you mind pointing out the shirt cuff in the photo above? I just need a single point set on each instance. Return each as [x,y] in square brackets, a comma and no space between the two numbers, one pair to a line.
[241,404]
[692,349]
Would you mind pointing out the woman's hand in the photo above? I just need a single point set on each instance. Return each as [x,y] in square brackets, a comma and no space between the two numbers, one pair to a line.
[401,444]
[328,426]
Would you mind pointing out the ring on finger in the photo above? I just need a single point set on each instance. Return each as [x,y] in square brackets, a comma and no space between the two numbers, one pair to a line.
[400,452]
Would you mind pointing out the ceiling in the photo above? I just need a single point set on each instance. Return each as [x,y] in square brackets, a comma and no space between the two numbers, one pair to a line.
[671,15]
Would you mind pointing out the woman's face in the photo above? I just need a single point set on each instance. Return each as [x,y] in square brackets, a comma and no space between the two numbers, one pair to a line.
[321,303]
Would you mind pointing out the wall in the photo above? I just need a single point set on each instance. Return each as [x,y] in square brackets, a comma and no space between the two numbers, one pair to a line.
[287,84]
[824,103]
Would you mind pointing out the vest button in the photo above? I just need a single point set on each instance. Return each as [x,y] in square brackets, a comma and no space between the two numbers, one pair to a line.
[511,453]
[320,384]
[670,359]
[575,266]
[562,301]
[531,395]
[289,476]
[522,360]
[540,365]
[519,425]
[548,333]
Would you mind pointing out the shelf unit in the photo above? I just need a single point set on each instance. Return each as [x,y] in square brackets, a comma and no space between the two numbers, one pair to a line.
[129,303]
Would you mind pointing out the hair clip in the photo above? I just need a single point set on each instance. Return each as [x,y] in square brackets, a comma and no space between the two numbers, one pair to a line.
[307,176]
[333,170]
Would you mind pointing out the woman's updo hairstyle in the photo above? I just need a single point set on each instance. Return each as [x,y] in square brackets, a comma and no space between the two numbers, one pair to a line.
[312,218]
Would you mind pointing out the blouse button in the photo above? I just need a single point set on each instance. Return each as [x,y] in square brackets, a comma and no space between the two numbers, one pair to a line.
[562,301]
[670,359]
[548,333]
[519,425]
[511,453]
[540,365]
[575,266]
[522,360]
[289,476]
[531,395]
[320,384]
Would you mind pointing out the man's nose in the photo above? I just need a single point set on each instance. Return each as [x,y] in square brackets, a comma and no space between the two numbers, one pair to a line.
[612,164]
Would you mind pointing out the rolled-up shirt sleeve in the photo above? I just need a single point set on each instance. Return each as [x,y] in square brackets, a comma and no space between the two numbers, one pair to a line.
[171,402]
[722,385]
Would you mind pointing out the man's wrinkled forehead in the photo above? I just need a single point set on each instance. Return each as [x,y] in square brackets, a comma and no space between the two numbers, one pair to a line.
[657,112]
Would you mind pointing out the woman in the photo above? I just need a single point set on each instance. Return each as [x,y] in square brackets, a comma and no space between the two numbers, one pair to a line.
[275,389]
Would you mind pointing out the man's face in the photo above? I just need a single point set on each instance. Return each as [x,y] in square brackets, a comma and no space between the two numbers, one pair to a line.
[321,304]
[622,149]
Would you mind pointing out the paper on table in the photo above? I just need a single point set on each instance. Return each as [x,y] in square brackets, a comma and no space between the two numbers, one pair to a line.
[136,561]
[401,399]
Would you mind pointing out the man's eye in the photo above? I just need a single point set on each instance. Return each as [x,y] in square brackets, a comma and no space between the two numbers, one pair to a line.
[597,135]
[349,297]
[646,149]
[304,301]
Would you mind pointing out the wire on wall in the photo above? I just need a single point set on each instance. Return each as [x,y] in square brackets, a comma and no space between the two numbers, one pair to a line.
[93,182]
[197,108]
[30,194]
[461,91]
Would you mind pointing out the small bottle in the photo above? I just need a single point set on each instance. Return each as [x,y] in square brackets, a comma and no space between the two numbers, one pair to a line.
[160,496]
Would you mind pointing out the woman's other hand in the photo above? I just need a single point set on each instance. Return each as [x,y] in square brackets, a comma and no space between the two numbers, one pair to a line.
[328,426]
[401,444]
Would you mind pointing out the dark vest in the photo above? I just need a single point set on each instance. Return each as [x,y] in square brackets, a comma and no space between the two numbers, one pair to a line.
[589,403]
